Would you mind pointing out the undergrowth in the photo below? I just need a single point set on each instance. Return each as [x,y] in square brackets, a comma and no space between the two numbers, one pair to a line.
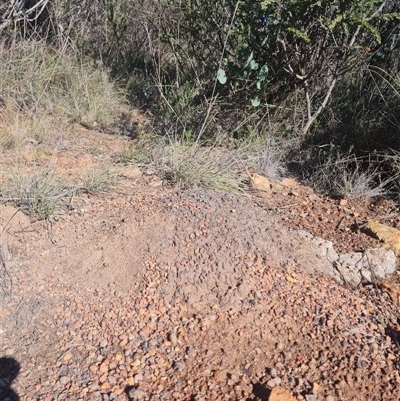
[44,91]
[221,96]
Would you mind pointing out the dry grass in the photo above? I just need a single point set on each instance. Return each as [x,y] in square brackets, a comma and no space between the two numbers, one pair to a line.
[37,193]
[17,128]
[346,177]
[42,88]
[98,181]
[191,166]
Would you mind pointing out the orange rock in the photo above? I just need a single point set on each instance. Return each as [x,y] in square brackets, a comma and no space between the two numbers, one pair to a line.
[93,368]
[103,367]
[280,394]
[105,386]
[261,183]
[289,182]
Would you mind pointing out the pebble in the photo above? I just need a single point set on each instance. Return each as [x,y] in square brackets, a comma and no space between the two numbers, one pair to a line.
[138,377]
[64,380]
[274,382]
[173,338]
[137,395]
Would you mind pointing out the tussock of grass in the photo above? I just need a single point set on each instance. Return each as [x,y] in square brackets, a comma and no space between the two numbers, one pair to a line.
[193,166]
[39,194]
[345,177]
[16,127]
[137,152]
[266,159]
[98,181]
[43,84]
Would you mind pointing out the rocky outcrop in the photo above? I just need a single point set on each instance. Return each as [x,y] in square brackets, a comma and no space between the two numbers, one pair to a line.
[352,268]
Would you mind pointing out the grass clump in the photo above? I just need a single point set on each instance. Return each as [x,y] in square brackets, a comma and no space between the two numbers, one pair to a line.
[40,86]
[39,194]
[351,177]
[196,167]
[137,152]
[98,181]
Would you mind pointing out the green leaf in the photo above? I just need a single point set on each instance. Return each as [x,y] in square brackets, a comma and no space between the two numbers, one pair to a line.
[221,76]
[249,60]
[261,85]
[263,73]
[299,34]
[370,28]
[253,65]
[255,102]
[244,52]
[390,16]
[332,24]
[266,3]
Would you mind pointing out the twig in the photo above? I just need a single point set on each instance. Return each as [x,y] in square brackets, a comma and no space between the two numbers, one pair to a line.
[5,275]
[339,224]
[213,98]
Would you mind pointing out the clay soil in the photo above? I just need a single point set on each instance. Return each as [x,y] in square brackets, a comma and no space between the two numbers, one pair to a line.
[148,292]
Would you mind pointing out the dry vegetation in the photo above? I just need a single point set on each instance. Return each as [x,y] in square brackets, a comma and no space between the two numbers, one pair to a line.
[219,98]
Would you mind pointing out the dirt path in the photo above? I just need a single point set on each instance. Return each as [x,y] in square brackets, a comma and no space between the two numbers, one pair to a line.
[185,296]
[167,295]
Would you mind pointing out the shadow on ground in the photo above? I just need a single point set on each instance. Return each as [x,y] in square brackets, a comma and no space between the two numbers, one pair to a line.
[9,369]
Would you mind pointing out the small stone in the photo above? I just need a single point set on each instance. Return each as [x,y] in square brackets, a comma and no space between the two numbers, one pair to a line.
[274,382]
[138,377]
[273,372]
[137,395]
[9,351]
[93,368]
[178,366]
[219,376]
[330,398]
[64,380]
[279,394]
[173,338]
[103,344]
[103,368]
[105,386]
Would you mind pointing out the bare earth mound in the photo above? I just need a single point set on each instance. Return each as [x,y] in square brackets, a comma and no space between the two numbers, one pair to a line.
[183,296]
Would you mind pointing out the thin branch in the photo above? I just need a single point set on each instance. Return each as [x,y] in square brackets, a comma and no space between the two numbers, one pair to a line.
[205,122]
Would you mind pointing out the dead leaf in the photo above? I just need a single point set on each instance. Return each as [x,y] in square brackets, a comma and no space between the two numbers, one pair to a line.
[261,183]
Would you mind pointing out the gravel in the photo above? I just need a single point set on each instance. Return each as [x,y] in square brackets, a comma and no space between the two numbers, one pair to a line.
[188,296]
